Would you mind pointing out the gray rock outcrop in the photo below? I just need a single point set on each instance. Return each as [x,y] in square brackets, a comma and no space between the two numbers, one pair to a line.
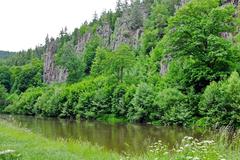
[124,32]
[82,41]
[105,32]
[52,72]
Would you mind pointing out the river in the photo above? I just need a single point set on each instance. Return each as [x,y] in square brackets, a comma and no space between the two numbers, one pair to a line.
[130,138]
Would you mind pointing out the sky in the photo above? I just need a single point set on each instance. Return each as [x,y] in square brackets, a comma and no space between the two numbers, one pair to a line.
[25,23]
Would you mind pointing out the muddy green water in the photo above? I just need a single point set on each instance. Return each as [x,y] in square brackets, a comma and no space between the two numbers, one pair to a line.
[131,138]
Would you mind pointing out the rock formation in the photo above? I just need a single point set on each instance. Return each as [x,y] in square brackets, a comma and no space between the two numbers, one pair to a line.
[164,64]
[234,2]
[105,33]
[82,41]
[124,33]
[52,72]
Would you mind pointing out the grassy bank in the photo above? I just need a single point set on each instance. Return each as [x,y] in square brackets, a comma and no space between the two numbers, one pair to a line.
[29,146]
[219,148]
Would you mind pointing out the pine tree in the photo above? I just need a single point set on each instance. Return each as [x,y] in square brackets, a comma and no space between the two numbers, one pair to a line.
[95,17]
[47,40]
[136,15]
[119,8]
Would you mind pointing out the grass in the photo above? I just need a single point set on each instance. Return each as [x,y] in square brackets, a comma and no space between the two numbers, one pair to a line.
[29,146]
[219,147]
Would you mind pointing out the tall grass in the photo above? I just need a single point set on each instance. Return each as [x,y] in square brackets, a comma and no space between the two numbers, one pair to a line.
[223,145]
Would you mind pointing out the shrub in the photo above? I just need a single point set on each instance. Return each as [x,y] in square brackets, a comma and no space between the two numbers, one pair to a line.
[121,98]
[24,104]
[3,96]
[220,102]
[142,108]
[172,107]
[5,77]
[51,105]
[94,97]
[27,76]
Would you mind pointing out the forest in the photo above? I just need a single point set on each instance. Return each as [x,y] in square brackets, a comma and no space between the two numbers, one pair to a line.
[183,71]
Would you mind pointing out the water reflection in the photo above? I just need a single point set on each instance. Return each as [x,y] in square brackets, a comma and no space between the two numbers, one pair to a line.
[133,138]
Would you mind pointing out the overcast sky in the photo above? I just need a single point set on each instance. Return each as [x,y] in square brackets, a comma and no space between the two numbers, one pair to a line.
[25,23]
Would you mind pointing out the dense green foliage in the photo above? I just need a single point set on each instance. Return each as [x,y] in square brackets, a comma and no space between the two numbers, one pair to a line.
[3,97]
[220,102]
[125,83]
[67,57]
[90,53]
[5,77]
[26,76]
[156,23]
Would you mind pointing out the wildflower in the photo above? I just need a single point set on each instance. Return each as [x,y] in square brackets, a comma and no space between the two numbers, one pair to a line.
[186,145]
[189,157]
[165,153]
[190,138]
[7,152]
[208,142]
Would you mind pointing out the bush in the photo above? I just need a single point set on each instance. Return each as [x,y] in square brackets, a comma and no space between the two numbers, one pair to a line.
[142,108]
[220,102]
[172,107]
[51,105]
[94,97]
[5,77]
[27,76]
[3,96]
[121,98]
[25,103]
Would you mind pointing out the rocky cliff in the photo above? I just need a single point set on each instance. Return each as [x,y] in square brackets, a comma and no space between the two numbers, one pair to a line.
[125,32]
[52,72]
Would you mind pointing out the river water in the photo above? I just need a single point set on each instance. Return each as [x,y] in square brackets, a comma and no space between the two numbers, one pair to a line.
[130,138]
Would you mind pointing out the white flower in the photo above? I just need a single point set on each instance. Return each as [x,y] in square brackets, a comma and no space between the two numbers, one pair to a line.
[189,157]
[7,152]
[179,150]
[187,145]
[165,153]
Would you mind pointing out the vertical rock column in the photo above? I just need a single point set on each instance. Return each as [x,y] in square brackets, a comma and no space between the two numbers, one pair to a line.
[53,73]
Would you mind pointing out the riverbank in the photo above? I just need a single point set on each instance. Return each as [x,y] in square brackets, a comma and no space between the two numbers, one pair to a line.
[28,146]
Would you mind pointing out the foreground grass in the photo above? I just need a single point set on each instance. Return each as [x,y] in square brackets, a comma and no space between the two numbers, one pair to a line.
[29,146]
[218,147]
